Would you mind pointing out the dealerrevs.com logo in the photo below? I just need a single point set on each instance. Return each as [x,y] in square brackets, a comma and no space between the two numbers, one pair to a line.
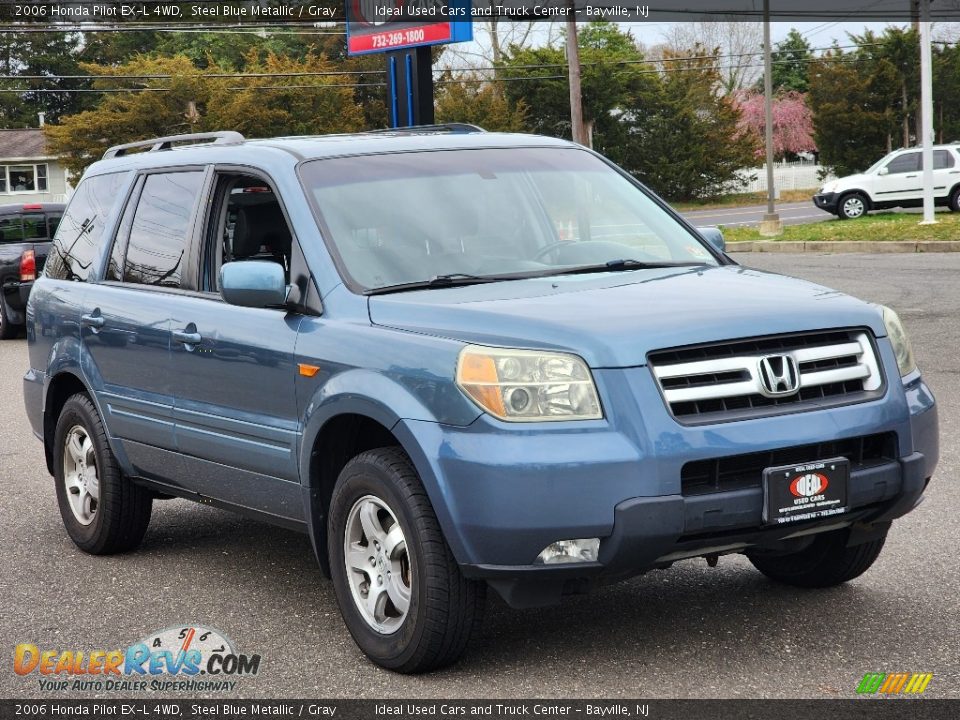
[185,658]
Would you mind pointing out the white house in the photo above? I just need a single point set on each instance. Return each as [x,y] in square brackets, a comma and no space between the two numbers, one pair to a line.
[28,172]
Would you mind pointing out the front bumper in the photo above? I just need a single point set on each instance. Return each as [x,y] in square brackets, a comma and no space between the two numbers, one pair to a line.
[503,492]
[826,201]
[654,532]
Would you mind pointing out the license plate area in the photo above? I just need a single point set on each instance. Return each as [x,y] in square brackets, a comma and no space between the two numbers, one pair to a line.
[806,491]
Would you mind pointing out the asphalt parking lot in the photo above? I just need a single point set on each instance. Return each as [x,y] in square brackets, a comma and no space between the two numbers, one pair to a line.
[691,632]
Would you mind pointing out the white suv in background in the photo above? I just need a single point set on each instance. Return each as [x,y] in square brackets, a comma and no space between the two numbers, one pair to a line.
[894,181]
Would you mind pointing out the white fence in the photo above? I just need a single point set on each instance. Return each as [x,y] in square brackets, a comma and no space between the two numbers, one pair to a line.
[786,176]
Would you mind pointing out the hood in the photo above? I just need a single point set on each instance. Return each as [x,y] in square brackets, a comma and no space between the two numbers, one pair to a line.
[615,319]
[846,181]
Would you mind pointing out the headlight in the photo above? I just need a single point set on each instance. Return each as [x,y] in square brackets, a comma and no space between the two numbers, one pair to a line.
[900,341]
[527,385]
[829,187]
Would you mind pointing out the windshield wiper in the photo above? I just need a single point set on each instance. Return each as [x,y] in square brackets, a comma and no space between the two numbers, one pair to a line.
[624,264]
[437,281]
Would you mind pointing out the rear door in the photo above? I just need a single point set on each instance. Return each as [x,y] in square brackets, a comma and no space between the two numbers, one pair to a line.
[126,320]
[232,368]
[945,172]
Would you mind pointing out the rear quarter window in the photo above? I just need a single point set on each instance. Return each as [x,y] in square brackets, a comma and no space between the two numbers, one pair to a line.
[77,244]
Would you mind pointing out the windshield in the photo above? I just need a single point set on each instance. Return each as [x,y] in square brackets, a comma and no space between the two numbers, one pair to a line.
[402,218]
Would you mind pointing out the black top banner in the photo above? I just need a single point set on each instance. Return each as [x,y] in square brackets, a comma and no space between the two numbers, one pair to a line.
[65,13]
[441,709]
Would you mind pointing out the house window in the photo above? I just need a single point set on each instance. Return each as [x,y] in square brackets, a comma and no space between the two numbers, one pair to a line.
[23,178]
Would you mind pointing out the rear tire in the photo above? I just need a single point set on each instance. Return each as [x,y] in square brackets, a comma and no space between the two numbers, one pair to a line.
[955,199]
[826,562]
[852,206]
[103,512]
[401,593]
[7,330]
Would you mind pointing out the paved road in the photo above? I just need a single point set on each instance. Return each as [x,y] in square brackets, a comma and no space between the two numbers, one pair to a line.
[689,632]
[790,213]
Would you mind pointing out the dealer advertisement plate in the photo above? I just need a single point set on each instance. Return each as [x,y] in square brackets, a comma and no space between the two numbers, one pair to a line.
[808,491]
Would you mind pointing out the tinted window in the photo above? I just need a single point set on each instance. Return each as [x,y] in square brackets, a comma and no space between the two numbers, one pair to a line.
[11,229]
[905,163]
[77,242]
[158,240]
[52,222]
[35,227]
[942,159]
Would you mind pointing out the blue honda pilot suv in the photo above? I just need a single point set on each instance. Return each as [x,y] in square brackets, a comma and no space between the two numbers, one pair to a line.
[457,359]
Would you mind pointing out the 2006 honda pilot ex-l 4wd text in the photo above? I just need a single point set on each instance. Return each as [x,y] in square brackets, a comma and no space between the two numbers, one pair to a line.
[457,360]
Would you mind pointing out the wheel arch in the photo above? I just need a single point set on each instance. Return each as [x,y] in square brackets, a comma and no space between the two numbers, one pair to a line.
[61,388]
[843,194]
[341,438]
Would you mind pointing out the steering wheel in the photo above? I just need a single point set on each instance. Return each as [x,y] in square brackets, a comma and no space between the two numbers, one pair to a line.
[548,248]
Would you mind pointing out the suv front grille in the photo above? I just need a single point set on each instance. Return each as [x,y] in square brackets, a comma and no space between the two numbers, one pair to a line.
[746,471]
[713,383]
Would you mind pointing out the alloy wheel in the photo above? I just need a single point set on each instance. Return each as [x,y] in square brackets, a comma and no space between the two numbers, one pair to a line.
[378,564]
[853,207]
[80,475]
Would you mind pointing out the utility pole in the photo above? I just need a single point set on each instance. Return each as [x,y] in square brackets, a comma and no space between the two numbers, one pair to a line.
[577,129]
[770,225]
[926,115]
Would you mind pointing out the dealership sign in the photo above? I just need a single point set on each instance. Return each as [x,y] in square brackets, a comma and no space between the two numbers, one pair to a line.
[376,26]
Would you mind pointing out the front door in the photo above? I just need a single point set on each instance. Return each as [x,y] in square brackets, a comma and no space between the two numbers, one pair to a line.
[233,368]
[902,180]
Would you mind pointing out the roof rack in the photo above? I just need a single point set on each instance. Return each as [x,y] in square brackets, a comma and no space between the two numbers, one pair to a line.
[225,137]
[443,127]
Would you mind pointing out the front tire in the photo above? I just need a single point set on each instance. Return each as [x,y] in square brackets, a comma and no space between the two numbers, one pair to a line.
[400,591]
[103,512]
[826,562]
[852,206]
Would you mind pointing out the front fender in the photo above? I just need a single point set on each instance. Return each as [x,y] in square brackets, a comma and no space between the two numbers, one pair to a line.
[359,392]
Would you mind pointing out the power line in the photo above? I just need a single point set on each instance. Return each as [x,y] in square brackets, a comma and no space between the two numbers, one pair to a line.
[331,73]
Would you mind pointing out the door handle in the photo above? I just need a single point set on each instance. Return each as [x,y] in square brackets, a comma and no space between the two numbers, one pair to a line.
[910,176]
[187,338]
[93,320]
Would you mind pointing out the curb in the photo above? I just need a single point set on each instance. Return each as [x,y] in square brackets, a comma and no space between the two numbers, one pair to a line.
[848,246]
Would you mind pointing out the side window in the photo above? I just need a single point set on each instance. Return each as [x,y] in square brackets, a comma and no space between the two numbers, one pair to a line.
[908,162]
[11,229]
[156,250]
[247,224]
[77,242]
[942,159]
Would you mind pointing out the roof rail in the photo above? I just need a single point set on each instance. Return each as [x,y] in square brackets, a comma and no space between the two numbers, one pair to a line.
[442,127]
[225,137]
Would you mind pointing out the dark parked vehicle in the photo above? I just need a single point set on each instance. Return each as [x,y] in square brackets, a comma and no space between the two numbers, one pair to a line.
[458,360]
[25,232]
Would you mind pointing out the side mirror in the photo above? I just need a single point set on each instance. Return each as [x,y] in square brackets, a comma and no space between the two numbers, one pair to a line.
[253,283]
[883,171]
[714,236]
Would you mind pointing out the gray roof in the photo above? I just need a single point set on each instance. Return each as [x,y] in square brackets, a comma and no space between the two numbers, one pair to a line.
[21,144]
[291,150]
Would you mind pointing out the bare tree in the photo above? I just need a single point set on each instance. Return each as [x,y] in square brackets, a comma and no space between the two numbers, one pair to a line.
[492,40]
[739,46]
